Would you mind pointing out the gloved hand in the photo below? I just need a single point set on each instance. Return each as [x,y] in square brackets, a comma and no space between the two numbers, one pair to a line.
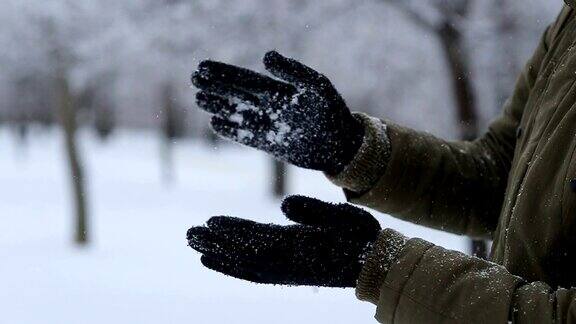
[302,119]
[326,248]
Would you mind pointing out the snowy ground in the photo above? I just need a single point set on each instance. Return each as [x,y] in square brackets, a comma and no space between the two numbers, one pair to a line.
[138,268]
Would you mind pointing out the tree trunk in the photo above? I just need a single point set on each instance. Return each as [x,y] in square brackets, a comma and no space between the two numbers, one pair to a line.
[167,160]
[279,171]
[211,136]
[460,75]
[67,114]
[172,128]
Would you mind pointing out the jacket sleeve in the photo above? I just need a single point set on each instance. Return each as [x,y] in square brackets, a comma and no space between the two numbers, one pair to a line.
[429,284]
[455,186]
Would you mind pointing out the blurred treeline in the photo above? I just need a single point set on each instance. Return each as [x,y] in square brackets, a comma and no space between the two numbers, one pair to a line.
[444,66]
[127,63]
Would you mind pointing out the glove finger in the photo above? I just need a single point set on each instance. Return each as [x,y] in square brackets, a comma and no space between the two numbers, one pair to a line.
[263,243]
[247,116]
[215,104]
[262,273]
[203,83]
[293,71]
[310,211]
[254,243]
[247,241]
[337,274]
[253,119]
[237,246]
[308,258]
[234,246]
[314,212]
[239,271]
[243,79]
[232,131]
[242,227]
[204,241]
[248,135]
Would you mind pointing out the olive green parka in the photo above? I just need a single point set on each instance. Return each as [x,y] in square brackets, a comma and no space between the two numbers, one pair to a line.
[515,185]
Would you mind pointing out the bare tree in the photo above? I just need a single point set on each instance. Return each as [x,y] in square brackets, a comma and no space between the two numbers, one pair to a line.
[95,99]
[104,121]
[67,114]
[279,175]
[61,59]
[172,128]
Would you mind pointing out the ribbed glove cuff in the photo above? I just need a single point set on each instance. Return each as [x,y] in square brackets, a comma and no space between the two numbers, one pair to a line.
[370,162]
[384,254]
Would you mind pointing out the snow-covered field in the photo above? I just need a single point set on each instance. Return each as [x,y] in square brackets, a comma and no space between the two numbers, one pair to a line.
[138,268]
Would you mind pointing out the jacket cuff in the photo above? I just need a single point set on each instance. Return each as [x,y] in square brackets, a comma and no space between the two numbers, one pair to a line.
[385,253]
[370,162]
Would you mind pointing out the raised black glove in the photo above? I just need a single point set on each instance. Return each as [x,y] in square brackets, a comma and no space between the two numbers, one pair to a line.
[326,248]
[303,121]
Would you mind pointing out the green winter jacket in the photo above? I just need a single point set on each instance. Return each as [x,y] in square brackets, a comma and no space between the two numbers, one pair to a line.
[515,185]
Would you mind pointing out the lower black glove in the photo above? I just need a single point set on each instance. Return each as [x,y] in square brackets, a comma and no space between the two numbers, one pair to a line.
[300,119]
[326,248]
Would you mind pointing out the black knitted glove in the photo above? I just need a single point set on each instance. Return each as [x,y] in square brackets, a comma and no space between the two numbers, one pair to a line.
[301,119]
[326,248]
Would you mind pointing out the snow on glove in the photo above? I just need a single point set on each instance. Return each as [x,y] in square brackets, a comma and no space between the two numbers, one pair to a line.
[326,248]
[300,119]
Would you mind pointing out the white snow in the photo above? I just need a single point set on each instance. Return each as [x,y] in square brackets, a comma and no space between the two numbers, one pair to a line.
[278,134]
[243,135]
[296,98]
[237,118]
[241,105]
[138,268]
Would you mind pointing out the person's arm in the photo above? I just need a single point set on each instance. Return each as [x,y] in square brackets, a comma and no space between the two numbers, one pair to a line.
[456,186]
[410,281]
[429,284]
